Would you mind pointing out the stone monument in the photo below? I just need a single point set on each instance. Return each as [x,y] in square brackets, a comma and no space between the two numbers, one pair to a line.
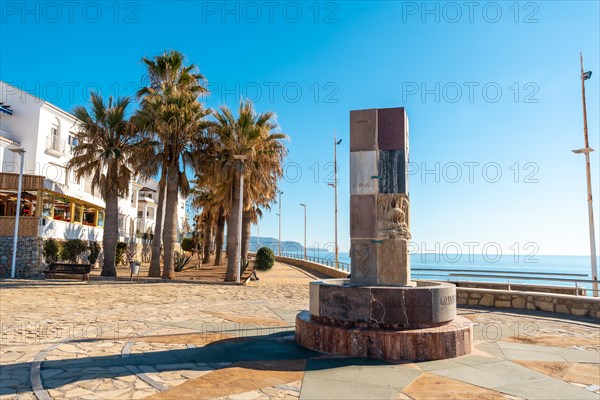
[379,312]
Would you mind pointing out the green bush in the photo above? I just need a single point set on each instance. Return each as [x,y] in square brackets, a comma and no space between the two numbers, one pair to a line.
[72,249]
[148,236]
[52,250]
[94,252]
[188,244]
[120,253]
[265,258]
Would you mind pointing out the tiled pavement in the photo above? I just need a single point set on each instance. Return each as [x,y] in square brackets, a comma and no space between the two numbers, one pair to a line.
[121,340]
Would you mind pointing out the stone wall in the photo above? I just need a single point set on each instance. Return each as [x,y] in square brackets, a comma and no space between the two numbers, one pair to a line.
[29,257]
[550,302]
[523,287]
[28,226]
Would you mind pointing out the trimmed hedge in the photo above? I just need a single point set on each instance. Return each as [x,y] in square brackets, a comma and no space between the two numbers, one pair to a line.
[265,258]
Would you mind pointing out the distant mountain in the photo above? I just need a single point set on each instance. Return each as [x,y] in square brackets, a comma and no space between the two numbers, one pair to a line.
[272,243]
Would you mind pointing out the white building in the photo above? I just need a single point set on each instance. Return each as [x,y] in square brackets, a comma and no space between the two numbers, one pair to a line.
[54,203]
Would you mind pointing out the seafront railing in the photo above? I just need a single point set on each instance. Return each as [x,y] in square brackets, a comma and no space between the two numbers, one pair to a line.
[580,282]
[342,266]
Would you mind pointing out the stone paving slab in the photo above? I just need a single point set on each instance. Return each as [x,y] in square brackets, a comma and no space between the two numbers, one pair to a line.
[117,340]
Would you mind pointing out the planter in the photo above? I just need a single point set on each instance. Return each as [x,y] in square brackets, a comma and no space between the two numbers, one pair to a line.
[135,267]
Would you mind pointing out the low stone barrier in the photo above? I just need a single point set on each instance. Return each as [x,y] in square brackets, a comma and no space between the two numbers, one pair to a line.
[530,297]
[523,287]
[330,272]
[550,302]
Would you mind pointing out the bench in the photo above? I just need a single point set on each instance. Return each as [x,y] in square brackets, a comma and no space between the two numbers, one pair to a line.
[68,269]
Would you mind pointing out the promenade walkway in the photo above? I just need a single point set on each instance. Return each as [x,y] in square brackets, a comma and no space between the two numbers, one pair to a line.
[182,340]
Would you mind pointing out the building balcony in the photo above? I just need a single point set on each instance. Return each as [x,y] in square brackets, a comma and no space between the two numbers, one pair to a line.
[55,146]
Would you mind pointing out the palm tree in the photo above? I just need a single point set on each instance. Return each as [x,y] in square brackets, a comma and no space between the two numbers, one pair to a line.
[170,102]
[249,217]
[204,198]
[106,145]
[252,135]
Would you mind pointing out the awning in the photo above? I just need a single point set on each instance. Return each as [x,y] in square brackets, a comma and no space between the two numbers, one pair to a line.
[10,181]
[72,194]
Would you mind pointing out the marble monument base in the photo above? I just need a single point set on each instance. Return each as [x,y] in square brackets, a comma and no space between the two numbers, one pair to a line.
[452,339]
[390,322]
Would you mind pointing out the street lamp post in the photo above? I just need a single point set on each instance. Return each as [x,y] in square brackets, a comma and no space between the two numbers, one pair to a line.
[587,150]
[304,205]
[279,241]
[238,251]
[257,233]
[334,185]
[13,266]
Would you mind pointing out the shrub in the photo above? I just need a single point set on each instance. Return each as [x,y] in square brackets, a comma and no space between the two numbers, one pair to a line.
[148,236]
[72,249]
[121,249]
[94,252]
[265,258]
[188,244]
[181,260]
[52,250]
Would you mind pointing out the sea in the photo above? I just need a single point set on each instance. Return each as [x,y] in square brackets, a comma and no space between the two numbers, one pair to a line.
[537,269]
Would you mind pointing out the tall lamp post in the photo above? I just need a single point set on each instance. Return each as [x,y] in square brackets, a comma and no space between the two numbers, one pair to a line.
[587,150]
[304,205]
[334,185]
[238,247]
[257,233]
[279,241]
[13,267]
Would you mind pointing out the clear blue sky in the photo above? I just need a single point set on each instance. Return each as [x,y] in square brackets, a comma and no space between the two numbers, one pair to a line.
[365,55]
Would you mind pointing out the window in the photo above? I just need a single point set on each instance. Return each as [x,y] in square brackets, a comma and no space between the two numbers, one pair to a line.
[54,137]
[53,140]
[100,218]
[72,140]
[89,216]
[47,201]
[62,209]
[77,213]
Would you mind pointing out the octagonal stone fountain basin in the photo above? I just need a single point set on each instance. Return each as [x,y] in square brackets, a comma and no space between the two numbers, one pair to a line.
[426,304]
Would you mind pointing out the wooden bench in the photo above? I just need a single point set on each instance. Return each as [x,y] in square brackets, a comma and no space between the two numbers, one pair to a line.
[68,269]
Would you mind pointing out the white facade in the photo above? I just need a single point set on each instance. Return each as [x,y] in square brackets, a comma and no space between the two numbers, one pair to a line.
[47,134]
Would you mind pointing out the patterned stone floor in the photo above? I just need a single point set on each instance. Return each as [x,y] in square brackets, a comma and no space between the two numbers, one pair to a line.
[120,340]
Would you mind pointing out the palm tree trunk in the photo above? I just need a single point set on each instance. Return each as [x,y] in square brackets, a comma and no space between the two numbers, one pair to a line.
[232,230]
[219,236]
[207,237]
[170,230]
[246,224]
[111,234]
[154,270]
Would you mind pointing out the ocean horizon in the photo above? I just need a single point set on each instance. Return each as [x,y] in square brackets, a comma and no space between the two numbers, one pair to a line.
[446,266]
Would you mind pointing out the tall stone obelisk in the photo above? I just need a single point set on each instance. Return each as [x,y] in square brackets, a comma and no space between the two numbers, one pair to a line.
[379,312]
[379,201]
